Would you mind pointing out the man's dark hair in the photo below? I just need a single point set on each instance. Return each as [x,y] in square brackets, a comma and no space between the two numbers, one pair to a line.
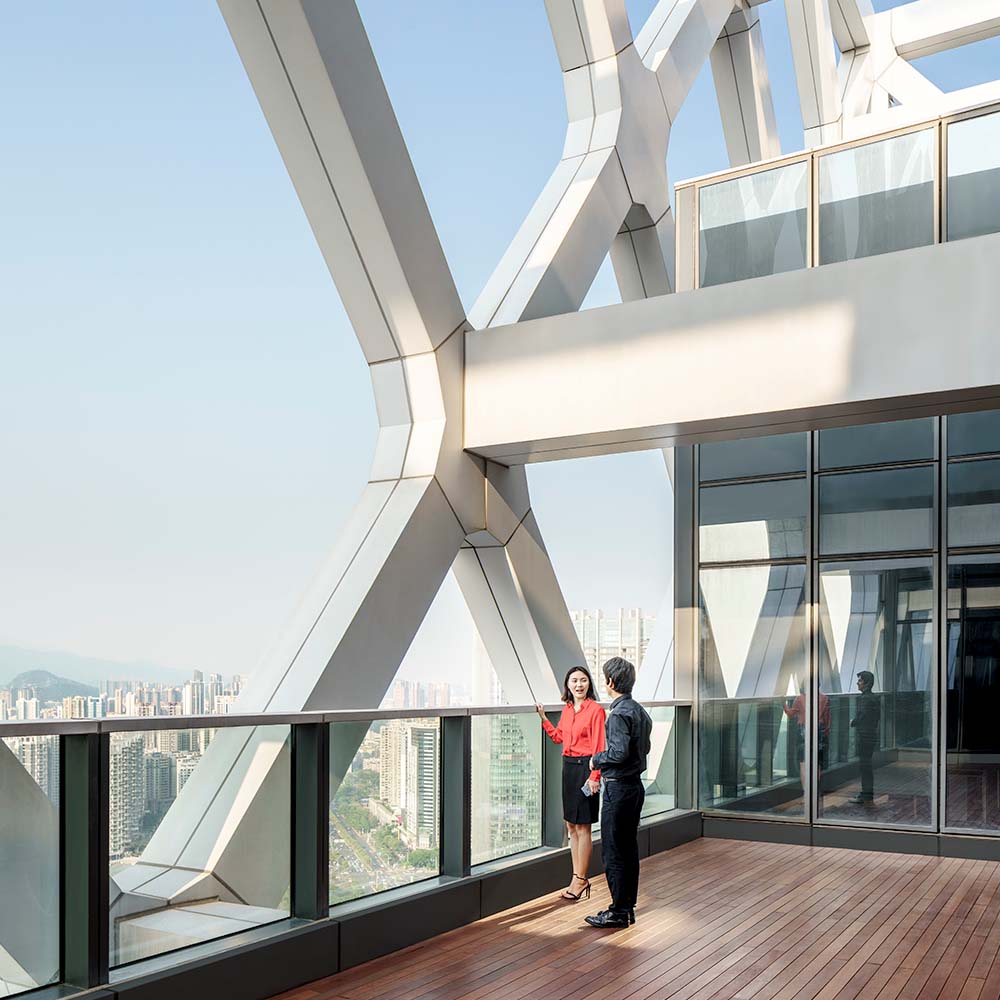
[620,674]
[567,695]
[867,678]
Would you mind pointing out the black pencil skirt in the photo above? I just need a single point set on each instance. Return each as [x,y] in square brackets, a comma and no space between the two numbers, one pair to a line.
[577,807]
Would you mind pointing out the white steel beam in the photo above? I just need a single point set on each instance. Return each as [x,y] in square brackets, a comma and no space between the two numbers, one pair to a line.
[763,356]
[924,27]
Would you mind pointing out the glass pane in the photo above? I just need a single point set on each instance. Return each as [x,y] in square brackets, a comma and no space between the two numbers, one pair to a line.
[876,444]
[877,198]
[506,785]
[763,456]
[974,503]
[660,779]
[974,177]
[974,433]
[972,799]
[875,744]
[754,225]
[29,862]
[876,511]
[753,655]
[200,835]
[385,808]
[753,521]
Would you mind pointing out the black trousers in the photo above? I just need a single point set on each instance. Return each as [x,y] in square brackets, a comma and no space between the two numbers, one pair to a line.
[866,750]
[622,807]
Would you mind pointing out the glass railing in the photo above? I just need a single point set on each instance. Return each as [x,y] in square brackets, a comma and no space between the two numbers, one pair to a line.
[213,826]
[29,862]
[385,805]
[168,891]
[506,785]
[939,180]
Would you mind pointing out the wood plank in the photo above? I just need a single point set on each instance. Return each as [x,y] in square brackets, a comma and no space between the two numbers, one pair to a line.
[724,920]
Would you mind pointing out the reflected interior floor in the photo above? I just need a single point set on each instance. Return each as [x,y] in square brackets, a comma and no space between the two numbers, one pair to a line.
[724,920]
[902,797]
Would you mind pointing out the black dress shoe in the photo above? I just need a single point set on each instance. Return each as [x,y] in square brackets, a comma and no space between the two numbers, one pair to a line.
[608,918]
[631,915]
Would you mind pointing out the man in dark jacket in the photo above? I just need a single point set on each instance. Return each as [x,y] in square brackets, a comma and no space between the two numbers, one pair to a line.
[628,729]
[865,723]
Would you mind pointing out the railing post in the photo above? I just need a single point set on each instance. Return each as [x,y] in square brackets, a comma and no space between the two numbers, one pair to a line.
[456,795]
[553,825]
[310,826]
[84,764]
[684,757]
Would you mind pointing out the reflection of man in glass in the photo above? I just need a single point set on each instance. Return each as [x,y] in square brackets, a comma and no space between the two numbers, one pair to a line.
[797,711]
[865,723]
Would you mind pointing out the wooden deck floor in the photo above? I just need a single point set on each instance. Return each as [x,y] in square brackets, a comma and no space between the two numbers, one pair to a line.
[724,920]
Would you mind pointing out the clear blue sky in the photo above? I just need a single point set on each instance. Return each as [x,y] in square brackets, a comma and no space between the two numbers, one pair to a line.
[185,416]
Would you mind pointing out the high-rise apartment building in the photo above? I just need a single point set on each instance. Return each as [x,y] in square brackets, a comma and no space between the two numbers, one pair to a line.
[127,795]
[186,762]
[39,755]
[390,777]
[606,633]
[421,766]
[26,708]
[160,779]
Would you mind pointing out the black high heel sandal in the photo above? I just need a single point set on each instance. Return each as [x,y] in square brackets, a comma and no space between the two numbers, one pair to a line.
[584,893]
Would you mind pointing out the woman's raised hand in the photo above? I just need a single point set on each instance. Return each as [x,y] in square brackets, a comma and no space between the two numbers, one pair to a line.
[540,709]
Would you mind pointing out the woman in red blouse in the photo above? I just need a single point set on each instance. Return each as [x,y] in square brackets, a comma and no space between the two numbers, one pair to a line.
[581,733]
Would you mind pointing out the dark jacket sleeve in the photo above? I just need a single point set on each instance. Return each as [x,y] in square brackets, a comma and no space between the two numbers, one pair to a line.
[618,733]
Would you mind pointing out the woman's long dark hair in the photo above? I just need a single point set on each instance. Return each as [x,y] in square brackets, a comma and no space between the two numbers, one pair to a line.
[567,695]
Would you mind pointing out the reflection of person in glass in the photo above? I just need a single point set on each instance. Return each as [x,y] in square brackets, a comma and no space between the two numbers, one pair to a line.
[797,711]
[581,733]
[865,723]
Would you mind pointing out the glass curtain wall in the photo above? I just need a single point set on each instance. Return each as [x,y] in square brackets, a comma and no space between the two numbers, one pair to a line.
[875,491]
[848,515]
[753,663]
[972,637]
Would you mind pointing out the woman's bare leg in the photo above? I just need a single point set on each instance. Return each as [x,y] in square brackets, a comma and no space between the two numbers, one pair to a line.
[575,845]
[585,846]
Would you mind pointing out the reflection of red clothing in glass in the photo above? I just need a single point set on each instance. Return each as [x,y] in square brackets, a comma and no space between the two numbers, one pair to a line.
[581,733]
[798,711]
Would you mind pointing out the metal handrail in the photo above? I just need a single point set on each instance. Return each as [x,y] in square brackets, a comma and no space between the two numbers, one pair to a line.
[760,166]
[161,723]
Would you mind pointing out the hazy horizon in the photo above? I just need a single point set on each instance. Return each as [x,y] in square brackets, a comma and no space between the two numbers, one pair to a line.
[185,415]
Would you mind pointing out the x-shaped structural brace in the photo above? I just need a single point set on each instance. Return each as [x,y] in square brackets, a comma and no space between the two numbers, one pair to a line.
[429,506]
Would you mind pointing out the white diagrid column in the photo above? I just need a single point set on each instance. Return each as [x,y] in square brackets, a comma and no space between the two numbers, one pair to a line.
[815,58]
[316,78]
[609,191]
[739,68]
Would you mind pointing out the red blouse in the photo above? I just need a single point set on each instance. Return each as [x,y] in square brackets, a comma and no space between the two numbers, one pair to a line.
[581,733]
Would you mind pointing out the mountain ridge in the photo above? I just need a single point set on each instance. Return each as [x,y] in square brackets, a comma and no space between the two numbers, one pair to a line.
[88,670]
